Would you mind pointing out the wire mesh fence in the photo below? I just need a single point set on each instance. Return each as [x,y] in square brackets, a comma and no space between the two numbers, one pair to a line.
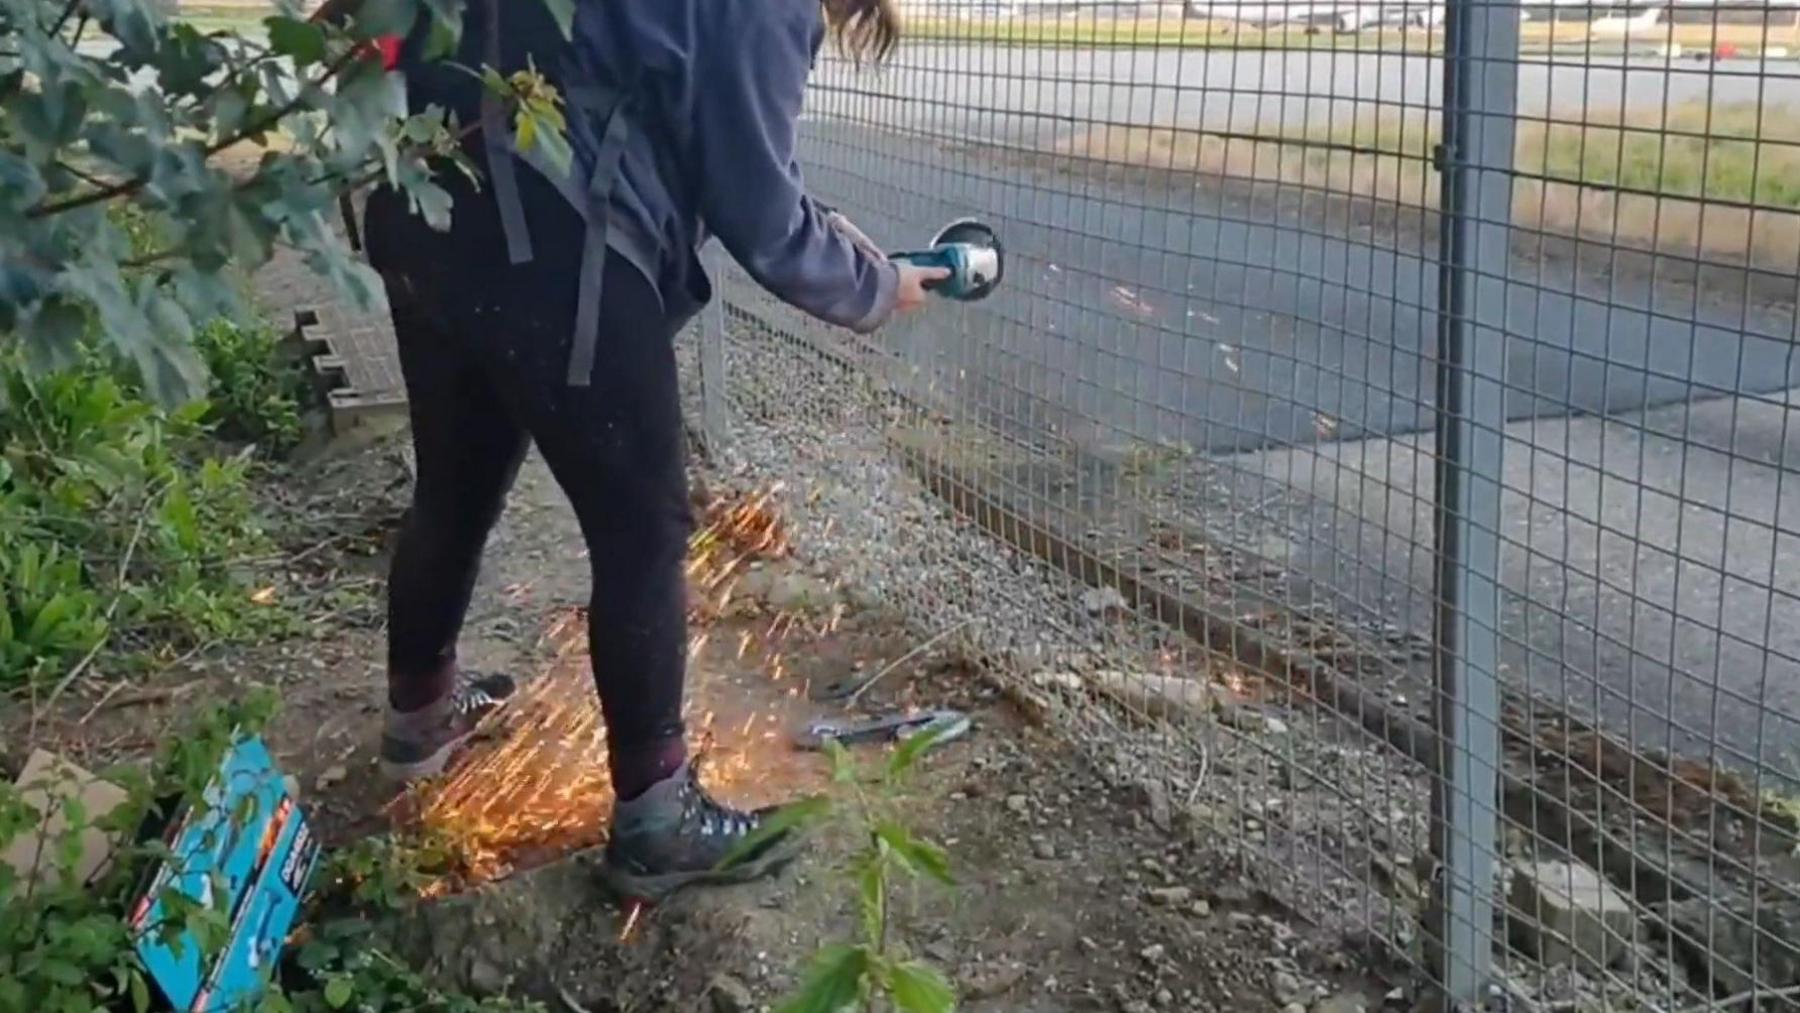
[1377,452]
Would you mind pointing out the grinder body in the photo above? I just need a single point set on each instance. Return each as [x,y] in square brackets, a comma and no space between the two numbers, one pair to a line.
[971,252]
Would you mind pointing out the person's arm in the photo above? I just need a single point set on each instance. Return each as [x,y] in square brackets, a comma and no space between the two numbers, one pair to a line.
[750,83]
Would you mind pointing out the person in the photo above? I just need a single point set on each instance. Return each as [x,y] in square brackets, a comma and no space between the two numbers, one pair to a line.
[546,314]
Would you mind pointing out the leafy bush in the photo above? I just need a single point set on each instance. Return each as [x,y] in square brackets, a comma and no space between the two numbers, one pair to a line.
[256,391]
[159,122]
[65,944]
[112,522]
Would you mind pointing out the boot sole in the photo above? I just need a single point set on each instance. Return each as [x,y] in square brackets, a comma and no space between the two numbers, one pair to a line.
[427,767]
[656,888]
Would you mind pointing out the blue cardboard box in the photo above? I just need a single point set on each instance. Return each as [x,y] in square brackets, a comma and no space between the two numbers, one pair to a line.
[246,852]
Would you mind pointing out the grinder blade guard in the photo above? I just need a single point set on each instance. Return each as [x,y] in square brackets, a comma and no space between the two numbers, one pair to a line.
[971,251]
[984,259]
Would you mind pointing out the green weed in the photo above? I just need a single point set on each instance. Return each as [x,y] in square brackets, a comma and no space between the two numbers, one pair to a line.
[853,974]
[115,524]
[257,392]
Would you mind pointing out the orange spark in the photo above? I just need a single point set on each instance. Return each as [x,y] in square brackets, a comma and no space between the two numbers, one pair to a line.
[534,784]
[631,921]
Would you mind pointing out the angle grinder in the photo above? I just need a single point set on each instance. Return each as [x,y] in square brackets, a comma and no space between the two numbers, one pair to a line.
[973,255]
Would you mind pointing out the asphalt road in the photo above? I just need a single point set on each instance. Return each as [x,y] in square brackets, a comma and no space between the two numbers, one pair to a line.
[1013,92]
[1239,321]
[1283,340]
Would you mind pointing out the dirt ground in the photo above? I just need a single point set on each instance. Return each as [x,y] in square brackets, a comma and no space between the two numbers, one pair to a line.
[1069,896]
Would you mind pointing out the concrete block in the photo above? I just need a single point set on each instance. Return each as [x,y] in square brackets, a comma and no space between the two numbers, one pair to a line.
[1564,912]
[1157,696]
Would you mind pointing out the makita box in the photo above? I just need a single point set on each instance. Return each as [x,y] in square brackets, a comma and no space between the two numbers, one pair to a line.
[247,852]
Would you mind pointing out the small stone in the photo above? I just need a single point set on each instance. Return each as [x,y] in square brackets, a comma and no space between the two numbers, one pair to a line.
[1287,987]
[1017,804]
[1101,600]
[1157,696]
[1164,997]
[1170,896]
[1201,909]
[1341,1003]
[1153,954]
[729,995]
[989,980]
[1562,912]
[329,776]
[1041,848]
[797,591]
[1231,893]
[1294,1007]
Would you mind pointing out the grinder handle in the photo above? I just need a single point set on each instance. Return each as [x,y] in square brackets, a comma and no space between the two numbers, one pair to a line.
[931,258]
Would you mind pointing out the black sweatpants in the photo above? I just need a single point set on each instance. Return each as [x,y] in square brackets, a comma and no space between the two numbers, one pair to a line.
[484,346]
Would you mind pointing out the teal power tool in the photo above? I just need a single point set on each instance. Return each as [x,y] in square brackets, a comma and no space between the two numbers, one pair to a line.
[972,253]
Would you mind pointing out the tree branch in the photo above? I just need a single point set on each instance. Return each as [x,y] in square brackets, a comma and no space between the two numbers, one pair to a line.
[62,19]
[86,177]
[135,183]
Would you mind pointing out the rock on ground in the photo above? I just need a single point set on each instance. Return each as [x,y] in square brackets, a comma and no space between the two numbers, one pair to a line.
[1563,912]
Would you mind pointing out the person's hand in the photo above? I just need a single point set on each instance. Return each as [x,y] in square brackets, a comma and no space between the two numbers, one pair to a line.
[913,279]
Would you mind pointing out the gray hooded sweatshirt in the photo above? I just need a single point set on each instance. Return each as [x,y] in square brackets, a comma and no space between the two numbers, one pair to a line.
[718,89]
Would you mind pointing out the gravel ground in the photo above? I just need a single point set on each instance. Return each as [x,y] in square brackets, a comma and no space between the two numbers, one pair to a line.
[1287,803]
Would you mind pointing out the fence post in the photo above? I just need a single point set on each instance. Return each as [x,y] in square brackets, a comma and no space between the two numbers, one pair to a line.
[1475,162]
[713,424]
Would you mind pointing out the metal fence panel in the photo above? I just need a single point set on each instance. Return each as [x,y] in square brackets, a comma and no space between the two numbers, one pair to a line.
[1298,501]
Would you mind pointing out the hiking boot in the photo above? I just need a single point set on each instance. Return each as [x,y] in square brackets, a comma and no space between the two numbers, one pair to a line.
[419,744]
[675,835]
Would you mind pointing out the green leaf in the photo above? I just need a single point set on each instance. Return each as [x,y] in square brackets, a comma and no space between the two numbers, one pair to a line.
[871,883]
[441,38]
[62,972]
[790,818]
[20,184]
[386,17]
[919,857]
[140,992]
[911,749]
[302,41]
[446,28]
[920,988]
[843,765]
[338,991]
[52,335]
[833,982]
[564,13]
[432,203]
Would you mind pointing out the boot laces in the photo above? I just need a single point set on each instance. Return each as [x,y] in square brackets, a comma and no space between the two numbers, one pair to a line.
[714,818]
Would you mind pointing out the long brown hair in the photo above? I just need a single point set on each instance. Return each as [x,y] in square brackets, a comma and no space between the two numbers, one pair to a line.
[866,30]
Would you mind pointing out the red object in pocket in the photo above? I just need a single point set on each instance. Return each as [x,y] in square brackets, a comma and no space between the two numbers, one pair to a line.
[389,46]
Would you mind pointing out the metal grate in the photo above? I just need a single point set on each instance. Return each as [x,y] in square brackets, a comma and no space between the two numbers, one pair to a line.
[1377,453]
